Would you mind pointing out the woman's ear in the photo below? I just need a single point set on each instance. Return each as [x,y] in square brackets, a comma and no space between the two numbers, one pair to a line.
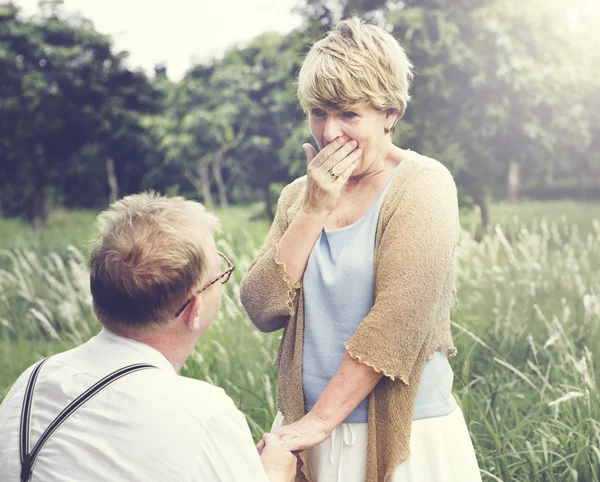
[391,116]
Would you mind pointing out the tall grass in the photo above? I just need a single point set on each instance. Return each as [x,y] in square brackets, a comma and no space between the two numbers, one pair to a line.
[527,327]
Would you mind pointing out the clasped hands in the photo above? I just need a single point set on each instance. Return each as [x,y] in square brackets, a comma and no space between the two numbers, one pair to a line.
[307,432]
[276,449]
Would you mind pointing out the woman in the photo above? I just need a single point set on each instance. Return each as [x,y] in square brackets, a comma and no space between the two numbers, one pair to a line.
[358,270]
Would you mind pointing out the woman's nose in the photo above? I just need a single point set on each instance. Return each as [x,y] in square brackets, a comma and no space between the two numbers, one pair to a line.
[333,129]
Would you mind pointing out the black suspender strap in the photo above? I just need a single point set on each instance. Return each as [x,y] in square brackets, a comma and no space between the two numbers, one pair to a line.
[25,417]
[28,458]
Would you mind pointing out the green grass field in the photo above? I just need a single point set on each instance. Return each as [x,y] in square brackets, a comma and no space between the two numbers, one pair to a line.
[527,327]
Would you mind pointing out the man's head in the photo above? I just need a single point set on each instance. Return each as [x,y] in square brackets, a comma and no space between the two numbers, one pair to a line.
[154,253]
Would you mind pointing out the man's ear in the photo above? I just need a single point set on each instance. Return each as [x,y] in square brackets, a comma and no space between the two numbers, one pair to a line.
[189,316]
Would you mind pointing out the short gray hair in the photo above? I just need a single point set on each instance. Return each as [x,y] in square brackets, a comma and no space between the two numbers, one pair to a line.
[355,65]
[150,256]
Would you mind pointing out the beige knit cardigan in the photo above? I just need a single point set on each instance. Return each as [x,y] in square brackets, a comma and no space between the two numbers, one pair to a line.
[417,232]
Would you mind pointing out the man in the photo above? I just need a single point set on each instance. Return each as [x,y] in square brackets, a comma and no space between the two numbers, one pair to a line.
[156,285]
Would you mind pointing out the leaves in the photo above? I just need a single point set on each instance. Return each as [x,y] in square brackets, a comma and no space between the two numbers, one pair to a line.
[64,93]
[499,83]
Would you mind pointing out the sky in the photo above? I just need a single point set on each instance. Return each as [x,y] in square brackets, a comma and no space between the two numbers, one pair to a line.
[176,32]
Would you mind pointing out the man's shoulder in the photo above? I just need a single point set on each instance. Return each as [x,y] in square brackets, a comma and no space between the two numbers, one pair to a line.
[159,389]
[200,399]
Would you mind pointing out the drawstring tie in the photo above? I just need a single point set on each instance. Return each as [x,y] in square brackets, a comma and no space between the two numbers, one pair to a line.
[348,438]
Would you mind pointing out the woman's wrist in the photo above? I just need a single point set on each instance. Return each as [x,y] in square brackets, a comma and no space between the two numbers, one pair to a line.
[296,244]
[322,420]
[316,216]
[352,382]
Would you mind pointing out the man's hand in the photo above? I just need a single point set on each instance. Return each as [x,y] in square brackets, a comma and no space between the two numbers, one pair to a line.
[307,432]
[279,463]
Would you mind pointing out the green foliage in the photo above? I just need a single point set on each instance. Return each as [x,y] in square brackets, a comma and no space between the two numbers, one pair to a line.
[68,104]
[493,79]
[504,89]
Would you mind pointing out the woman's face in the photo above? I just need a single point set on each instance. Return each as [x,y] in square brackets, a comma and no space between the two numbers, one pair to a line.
[365,125]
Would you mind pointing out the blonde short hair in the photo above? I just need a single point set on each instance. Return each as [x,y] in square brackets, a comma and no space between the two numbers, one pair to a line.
[151,254]
[356,64]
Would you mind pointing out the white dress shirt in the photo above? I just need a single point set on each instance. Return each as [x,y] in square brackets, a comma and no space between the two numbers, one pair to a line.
[152,425]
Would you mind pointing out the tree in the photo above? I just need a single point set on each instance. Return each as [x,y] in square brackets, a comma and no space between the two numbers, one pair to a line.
[203,121]
[228,121]
[63,90]
[504,95]
[270,64]
[493,78]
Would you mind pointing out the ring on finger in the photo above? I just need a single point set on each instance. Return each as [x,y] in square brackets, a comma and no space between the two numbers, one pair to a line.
[333,174]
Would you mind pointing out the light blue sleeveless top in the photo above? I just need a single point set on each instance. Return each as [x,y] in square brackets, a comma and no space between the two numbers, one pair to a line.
[338,295]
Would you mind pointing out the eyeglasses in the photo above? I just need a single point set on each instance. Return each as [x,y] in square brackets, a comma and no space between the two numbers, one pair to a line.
[223,277]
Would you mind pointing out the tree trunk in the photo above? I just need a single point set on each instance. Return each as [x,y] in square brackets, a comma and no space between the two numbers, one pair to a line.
[205,186]
[267,199]
[39,205]
[480,201]
[113,185]
[216,170]
[513,183]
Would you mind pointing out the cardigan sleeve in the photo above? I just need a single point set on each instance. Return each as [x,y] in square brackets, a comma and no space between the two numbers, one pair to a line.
[414,258]
[265,291]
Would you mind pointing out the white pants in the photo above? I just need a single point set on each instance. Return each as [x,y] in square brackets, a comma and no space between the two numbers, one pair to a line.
[441,451]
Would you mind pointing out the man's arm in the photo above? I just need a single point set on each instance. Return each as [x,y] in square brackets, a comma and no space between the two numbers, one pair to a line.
[228,453]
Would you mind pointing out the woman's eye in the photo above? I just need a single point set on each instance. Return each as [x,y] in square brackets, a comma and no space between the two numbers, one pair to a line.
[318,113]
[349,115]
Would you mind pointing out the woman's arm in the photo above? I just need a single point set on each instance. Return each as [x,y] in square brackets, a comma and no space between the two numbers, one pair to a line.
[414,276]
[349,386]
[265,291]
[268,290]
[296,244]
[321,196]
